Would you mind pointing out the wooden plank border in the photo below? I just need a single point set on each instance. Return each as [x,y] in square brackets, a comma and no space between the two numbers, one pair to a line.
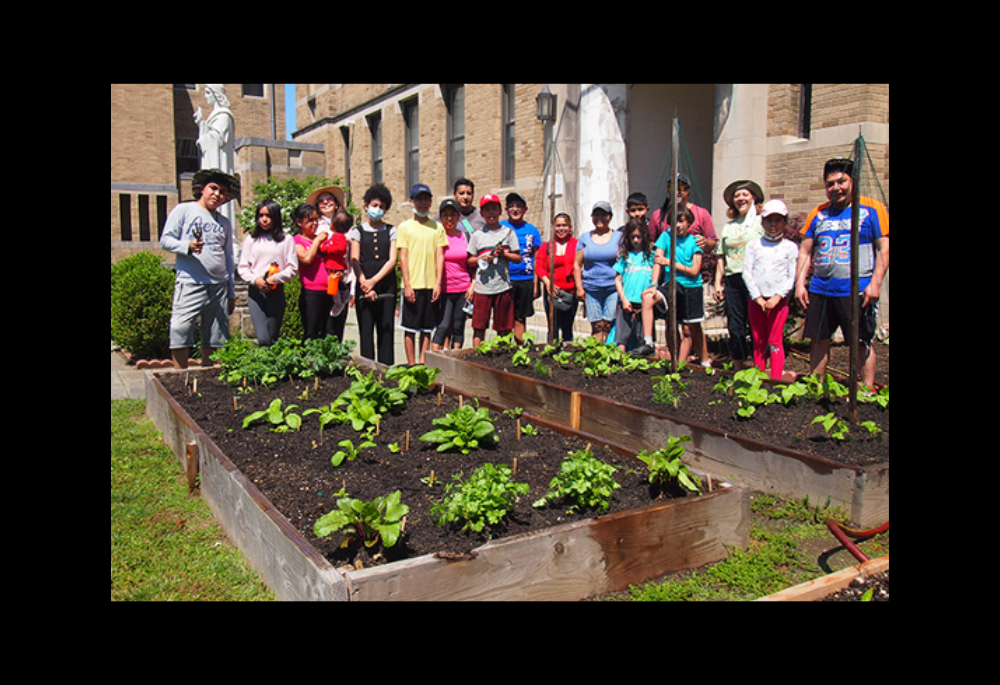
[566,562]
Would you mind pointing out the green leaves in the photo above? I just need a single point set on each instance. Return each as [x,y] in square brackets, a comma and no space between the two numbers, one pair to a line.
[465,428]
[281,420]
[370,523]
[349,451]
[584,481]
[666,467]
[244,361]
[482,500]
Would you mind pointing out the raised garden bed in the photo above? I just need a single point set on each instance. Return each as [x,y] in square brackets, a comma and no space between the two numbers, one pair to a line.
[543,554]
[761,451]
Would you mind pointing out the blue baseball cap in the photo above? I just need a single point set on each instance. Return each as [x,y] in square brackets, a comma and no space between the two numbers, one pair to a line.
[420,188]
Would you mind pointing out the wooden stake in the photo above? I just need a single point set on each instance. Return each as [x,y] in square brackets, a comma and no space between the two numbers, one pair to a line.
[192,464]
[460,397]
[709,475]
[234,403]
[194,385]
[518,430]
[514,470]
[407,440]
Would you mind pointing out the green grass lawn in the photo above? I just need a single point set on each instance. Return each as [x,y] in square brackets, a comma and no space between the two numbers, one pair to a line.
[165,543]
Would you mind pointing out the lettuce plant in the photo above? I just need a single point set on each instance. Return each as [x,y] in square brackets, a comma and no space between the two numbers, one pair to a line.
[465,428]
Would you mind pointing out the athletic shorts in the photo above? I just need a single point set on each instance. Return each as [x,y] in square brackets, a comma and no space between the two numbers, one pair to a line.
[826,314]
[499,306]
[209,301]
[690,303]
[524,299]
[418,316]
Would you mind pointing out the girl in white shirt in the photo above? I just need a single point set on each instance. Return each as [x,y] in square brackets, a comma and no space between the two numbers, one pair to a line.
[769,273]
[267,262]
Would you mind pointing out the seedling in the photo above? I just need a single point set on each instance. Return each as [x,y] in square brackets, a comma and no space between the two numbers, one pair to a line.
[666,467]
[836,427]
[349,451]
[281,420]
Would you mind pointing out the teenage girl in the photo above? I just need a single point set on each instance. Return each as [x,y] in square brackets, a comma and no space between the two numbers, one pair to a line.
[267,261]
[373,262]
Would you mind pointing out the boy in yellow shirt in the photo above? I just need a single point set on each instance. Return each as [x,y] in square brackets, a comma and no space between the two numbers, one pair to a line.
[421,242]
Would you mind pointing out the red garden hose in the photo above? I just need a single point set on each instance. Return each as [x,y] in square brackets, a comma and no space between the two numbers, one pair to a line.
[842,533]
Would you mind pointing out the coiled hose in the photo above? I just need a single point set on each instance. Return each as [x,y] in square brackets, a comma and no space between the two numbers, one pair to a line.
[842,533]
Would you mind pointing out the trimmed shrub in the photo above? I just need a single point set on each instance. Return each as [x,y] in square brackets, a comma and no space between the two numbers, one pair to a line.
[142,290]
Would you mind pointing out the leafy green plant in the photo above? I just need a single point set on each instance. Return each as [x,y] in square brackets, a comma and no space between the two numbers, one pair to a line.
[281,418]
[348,451]
[465,428]
[369,523]
[244,361]
[664,391]
[583,481]
[367,400]
[666,468]
[414,380]
[484,499]
[835,427]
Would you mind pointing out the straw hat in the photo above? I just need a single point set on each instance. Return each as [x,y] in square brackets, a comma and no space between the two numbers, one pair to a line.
[336,191]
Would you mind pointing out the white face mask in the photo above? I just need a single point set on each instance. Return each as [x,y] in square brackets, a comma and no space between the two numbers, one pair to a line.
[375,213]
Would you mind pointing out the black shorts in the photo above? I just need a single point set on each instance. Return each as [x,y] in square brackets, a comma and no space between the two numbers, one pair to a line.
[419,315]
[690,303]
[524,299]
[826,314]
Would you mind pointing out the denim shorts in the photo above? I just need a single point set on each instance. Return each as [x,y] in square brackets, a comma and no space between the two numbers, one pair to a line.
[602,304]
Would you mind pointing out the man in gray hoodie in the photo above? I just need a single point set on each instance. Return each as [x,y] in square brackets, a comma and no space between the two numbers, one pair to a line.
[201,237]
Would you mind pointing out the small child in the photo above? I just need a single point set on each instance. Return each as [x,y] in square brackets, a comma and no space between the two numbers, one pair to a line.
[491,248]
[690,304]
[421,243]
[769,272]
[634,270]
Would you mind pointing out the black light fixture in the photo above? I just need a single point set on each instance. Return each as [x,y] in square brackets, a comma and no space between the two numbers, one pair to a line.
[546,103]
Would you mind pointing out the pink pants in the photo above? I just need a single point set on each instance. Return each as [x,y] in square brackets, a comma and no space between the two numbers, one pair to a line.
[767,329]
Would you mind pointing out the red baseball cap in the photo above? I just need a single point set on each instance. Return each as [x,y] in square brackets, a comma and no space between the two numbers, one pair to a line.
[486,199]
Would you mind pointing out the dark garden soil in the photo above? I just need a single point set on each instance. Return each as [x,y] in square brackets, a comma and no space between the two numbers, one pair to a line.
[774,424]
[293,470]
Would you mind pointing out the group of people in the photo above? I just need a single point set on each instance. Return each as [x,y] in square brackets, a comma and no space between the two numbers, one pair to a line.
[468,261]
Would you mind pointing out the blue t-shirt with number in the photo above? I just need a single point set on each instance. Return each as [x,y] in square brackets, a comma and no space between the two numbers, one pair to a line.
[830,229]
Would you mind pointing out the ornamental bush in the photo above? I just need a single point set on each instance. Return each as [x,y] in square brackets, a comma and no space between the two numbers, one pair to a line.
[142,290]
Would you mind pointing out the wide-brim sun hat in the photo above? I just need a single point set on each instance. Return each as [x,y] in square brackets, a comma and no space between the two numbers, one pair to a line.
[336,191]
[730,191]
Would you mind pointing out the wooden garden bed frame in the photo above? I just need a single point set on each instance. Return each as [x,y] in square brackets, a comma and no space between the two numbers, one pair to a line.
[812,590]
[566,562]
[863,491]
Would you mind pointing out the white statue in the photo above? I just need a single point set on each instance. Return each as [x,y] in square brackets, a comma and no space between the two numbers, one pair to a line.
[215,139]
[215,134]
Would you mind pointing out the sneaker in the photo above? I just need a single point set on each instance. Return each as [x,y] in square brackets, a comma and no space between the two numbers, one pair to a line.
[644,350]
